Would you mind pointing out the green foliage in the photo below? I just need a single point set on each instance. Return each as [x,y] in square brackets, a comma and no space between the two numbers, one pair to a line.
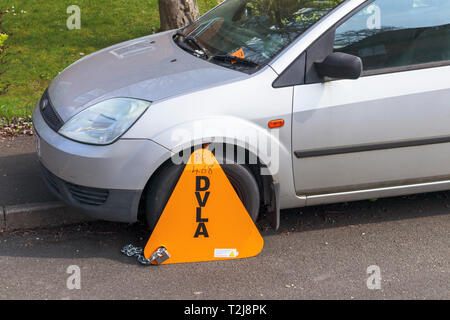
[3,37]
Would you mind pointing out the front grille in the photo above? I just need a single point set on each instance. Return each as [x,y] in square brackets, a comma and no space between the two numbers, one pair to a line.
[82,195]
[50,179]
[88,196]
[49,114]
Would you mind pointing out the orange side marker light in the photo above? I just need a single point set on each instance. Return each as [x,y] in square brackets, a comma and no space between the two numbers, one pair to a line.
[273,124]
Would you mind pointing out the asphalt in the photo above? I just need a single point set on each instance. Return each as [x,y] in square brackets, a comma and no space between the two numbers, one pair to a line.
[20,181]
[319,253]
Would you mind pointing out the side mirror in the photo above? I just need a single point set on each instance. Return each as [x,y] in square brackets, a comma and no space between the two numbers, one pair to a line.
[339,65]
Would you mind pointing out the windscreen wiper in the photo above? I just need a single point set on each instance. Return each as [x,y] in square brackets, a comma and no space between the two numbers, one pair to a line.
[233,59]
[201,50]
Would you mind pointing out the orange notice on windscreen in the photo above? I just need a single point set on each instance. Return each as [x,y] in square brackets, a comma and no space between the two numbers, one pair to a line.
[239,54]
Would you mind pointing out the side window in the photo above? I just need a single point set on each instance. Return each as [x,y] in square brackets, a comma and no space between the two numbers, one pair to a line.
[389,34]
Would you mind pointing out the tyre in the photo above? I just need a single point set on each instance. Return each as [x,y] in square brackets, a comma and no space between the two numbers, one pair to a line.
[163,184]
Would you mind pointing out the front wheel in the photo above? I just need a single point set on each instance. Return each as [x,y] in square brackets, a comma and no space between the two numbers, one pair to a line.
[163,184]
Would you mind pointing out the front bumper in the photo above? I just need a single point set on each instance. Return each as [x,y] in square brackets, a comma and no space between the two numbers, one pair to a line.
[121,170]
[104,204]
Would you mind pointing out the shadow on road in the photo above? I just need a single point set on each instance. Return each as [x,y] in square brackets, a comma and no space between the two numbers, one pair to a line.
[104,239]
[21,182]
[364,212]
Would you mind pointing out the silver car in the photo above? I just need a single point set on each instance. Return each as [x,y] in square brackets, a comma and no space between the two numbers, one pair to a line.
[304,103]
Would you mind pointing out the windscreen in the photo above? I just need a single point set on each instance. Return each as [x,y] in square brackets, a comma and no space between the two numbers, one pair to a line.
[257,30]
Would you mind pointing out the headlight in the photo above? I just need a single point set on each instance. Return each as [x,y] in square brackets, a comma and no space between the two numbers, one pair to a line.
[104,122]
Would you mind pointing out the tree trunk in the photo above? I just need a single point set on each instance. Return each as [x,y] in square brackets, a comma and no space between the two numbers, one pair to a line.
[175,14]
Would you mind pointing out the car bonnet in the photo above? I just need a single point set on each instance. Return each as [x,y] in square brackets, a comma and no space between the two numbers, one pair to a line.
[149,68]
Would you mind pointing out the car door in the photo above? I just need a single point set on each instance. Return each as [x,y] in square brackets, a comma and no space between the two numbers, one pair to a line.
[391,127]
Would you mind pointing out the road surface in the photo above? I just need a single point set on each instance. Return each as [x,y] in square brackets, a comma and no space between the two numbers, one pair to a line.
[320,252]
